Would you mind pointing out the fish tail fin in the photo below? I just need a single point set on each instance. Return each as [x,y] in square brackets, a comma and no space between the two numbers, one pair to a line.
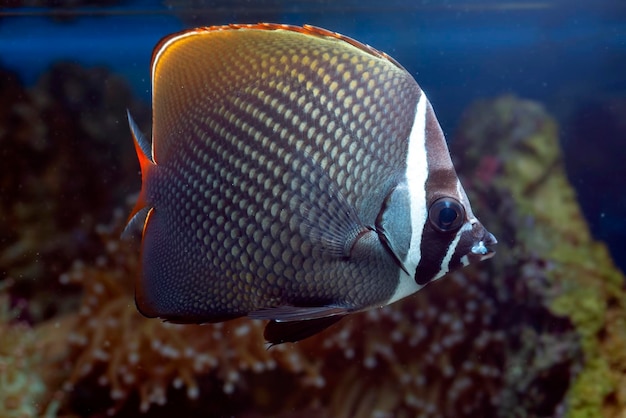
[146,162]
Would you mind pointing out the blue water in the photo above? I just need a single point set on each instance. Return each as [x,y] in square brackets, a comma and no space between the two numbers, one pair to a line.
[458,50]
[561,53]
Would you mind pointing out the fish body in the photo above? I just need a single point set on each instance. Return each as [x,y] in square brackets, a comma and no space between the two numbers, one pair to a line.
[295,175]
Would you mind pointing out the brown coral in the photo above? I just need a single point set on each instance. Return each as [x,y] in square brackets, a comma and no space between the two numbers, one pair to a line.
[411,358]
[64,165]
[22,387]
[479,343]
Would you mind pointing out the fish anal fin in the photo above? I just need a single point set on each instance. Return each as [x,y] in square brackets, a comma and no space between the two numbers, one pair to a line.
[292,331]
[143,296]
[157,293]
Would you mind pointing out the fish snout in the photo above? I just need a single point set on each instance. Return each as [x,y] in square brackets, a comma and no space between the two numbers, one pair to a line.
[481,250]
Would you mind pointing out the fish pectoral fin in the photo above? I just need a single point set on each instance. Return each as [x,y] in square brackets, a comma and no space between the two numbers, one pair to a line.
[326,218]
[292,331]
[297,313]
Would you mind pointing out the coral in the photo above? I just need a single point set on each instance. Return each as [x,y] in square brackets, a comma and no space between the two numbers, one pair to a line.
[63,169]
[22,387]
[486,341]
[408,359]
[582,283]
[505,338]
[64,164]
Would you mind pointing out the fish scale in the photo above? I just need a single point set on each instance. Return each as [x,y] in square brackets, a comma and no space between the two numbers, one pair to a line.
[301,126]
[278,184]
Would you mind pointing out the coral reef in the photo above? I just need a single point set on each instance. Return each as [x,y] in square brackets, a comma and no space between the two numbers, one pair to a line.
[537,331]
[412,358]
[65,163]
[482,342]
[543,221]
[63,168]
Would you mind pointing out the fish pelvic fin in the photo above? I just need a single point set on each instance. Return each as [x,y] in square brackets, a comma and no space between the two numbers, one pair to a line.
[290,332]
[136,222]
[295,323]
[144,153]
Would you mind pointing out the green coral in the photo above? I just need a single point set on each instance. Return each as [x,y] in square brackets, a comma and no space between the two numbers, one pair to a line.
[584,285]
[581,269]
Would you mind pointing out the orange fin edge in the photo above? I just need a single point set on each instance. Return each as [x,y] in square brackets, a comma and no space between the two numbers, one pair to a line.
[143,150]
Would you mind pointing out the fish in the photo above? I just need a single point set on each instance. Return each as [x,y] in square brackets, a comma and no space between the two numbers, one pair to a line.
[294,175]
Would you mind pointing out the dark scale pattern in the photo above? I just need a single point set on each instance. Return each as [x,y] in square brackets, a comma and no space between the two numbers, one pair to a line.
[275,150]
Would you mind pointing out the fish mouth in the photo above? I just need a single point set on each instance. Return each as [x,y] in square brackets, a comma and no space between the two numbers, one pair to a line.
[482,249]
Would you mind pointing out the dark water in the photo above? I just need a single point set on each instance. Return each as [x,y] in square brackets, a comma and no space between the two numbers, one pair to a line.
[568,55]
[69,72]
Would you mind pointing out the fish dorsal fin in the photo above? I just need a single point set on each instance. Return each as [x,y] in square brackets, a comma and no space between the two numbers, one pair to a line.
[304,29]
[175,68]
[144,155]
[393,224]
[140,140]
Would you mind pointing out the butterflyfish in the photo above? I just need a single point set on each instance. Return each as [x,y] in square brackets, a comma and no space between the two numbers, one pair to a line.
[294,175]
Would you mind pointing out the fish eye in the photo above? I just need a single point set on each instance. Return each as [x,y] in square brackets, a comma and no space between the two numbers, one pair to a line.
[446,214]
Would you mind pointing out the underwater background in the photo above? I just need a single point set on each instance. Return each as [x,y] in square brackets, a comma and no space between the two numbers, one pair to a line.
[532,98]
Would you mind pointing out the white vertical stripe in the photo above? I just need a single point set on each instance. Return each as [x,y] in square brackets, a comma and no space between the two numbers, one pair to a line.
[416,176]
[466,203]
[445,263]
[460,191]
